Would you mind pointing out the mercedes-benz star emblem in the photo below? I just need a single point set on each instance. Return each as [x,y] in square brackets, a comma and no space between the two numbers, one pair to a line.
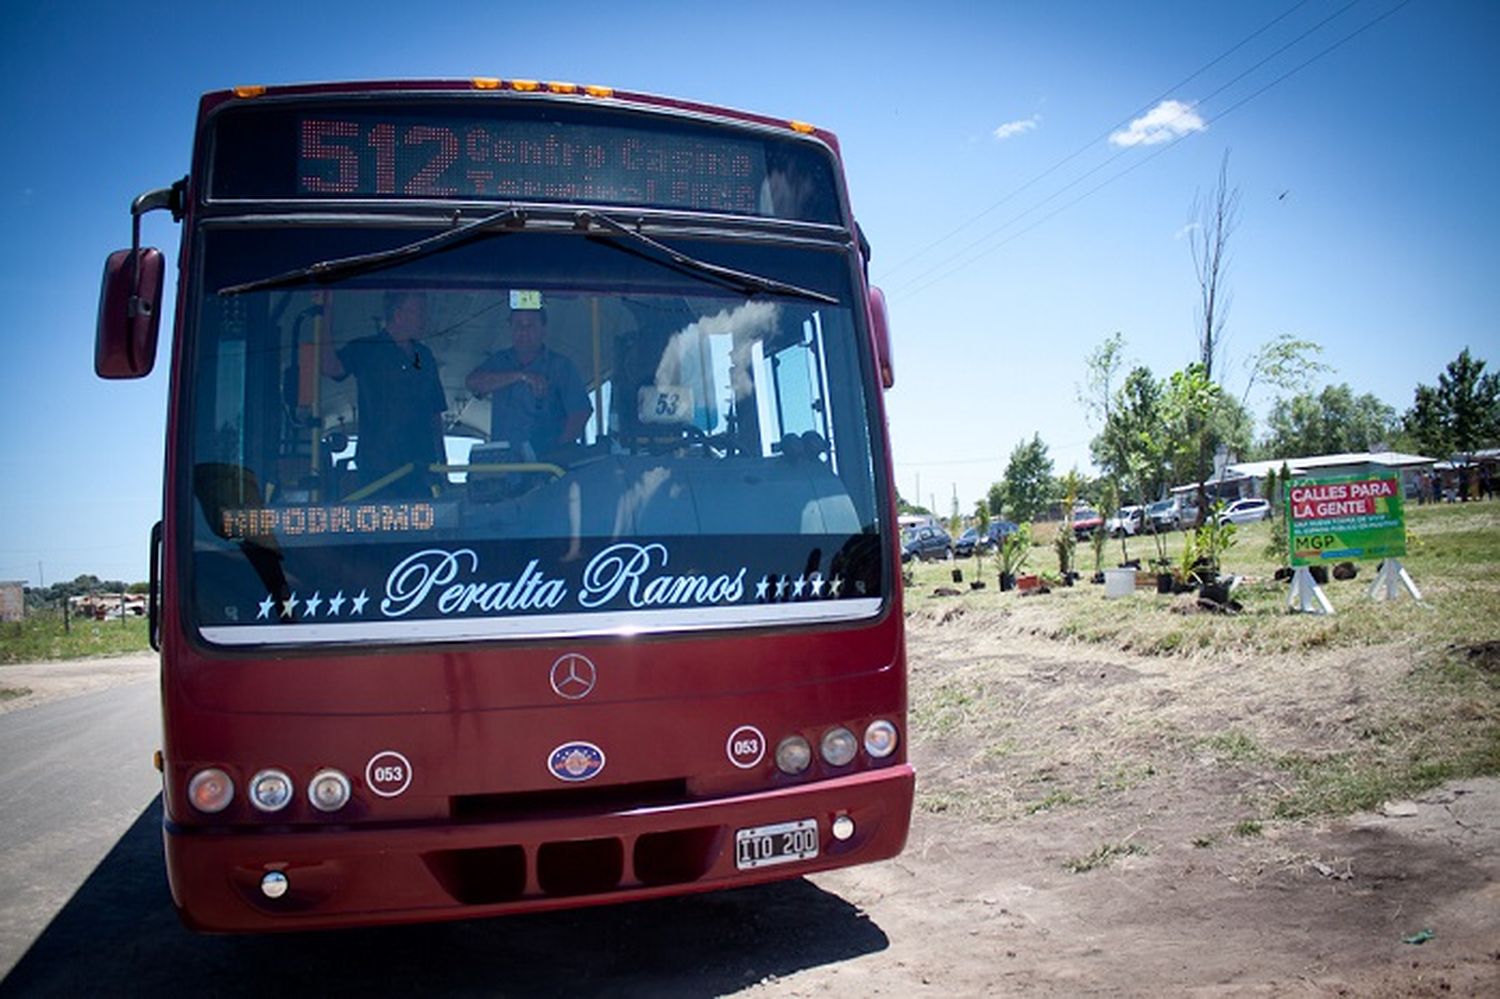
[573,676]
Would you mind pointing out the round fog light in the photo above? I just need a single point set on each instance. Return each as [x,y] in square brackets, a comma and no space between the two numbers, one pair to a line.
[880,739]
[273,885]
[839,746]
[328,791]
[211,790]
[793,754]
[843,827]
[270,790]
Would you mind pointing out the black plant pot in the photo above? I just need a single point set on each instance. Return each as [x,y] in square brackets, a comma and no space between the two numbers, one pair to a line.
[1164,582]
[1319,574]
[1007,581]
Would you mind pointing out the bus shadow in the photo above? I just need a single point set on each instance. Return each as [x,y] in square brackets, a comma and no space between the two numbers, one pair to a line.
[118,935]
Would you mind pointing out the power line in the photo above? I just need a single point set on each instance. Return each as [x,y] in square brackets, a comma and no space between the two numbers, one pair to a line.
[915,284]
[1103,135]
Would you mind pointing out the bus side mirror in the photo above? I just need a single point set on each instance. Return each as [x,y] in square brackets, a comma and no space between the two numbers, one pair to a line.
[880,332]
[129,313]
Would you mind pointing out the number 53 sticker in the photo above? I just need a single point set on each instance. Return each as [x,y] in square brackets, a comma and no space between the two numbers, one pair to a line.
[665,404]
[388,773]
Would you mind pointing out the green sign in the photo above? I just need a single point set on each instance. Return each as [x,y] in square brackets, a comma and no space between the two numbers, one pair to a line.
[1347,517]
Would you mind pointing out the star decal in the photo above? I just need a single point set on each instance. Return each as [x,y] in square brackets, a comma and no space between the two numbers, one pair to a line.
[334,603]
[817,584]
[799,586]
[835,586]
[358,607]
[312,603]
[781,582]
[289,606]
[265,607]
[761,587]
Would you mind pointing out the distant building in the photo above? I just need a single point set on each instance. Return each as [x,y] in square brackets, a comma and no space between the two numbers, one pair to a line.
[12,600]
[1243,479]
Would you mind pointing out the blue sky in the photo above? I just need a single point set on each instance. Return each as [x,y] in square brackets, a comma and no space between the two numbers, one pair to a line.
[1368,222]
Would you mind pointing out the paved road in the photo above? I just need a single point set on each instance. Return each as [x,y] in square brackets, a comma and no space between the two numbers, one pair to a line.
[74,775]
[76,786]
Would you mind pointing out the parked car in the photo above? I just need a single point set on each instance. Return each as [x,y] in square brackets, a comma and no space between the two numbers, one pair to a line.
[1246,511]
[1086,522]
[965,544]
[970,540]
[1177,513]
[1127,520]
[926,544]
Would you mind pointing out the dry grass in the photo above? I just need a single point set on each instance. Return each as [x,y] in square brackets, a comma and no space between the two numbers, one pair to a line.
[1027,706]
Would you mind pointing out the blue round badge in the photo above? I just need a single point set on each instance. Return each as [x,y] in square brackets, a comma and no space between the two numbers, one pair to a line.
[576,761]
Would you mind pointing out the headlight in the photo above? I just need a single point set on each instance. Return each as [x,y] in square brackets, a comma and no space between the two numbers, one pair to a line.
[880,739]
[270,790]
[328,790]
[839,746]
[211,790]
[793,754]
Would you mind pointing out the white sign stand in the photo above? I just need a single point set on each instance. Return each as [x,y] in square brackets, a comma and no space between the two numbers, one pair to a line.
[1390,580]
[1307,596]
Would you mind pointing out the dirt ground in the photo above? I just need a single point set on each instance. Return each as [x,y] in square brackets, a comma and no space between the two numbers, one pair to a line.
[1084,828]
[1079,833]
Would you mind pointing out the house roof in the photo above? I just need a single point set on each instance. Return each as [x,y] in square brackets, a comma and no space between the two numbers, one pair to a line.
[1301,466]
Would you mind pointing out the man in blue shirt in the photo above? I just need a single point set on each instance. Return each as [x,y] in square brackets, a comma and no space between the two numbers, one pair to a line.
[536,394]
[399,396]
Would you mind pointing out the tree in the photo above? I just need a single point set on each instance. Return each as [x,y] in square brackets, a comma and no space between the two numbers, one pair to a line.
[1214,223]
[1190,406]
[1026,489]
[1131,447]
[1284,362]
[995,499]
[1333,421]
[1461,415]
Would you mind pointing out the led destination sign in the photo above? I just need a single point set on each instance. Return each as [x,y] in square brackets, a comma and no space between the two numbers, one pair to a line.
[585,156]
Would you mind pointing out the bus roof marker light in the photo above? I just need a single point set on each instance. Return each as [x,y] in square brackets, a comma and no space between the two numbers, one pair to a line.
[525,86]
[558,87]
[255,90]
[599,91]
[211,790]
[802,127]
[328,790]
[486,82]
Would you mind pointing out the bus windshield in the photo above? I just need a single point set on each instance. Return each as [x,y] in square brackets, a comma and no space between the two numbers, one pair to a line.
[533,433]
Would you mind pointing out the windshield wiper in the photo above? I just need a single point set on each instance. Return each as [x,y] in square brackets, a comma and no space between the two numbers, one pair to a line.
[744,281]
[328,271]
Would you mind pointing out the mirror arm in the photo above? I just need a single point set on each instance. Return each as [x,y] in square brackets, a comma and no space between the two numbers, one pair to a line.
[172,198]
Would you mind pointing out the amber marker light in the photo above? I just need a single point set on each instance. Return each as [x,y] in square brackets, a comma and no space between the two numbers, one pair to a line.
[800,126]
[486,83]
[562,88]
[254,91]
[599,91]
[525,86]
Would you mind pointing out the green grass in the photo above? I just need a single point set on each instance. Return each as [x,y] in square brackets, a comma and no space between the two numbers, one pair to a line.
[1454,559]
[1102,856]
[41,637]
[11,693]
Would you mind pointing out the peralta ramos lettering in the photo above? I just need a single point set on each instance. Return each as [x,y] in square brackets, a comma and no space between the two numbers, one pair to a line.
[634,574]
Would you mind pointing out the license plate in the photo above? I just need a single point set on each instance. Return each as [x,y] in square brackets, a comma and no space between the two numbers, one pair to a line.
[764,846]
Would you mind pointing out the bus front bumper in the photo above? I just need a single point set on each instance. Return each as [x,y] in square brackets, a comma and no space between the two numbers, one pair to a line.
[354,875]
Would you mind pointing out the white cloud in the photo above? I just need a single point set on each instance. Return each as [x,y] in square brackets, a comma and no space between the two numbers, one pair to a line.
[1020,127]
[1168,120]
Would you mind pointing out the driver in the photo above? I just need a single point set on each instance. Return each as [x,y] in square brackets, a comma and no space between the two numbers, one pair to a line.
[536,394]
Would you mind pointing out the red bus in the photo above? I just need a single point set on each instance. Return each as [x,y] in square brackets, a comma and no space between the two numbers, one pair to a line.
[528,533]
